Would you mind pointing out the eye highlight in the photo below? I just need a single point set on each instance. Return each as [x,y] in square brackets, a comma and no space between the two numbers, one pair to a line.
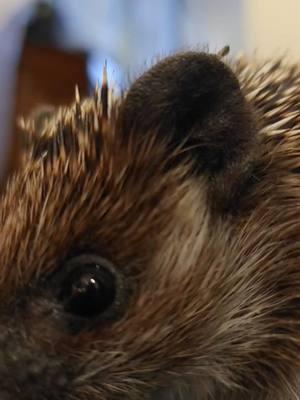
[90,287]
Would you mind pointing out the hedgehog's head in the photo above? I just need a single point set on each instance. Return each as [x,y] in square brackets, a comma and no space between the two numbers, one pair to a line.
[126,269]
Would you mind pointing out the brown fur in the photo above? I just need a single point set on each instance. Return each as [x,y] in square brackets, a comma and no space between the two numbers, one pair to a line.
[208,246]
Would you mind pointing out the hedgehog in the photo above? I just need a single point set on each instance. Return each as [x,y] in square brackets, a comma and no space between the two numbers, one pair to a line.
[150,242]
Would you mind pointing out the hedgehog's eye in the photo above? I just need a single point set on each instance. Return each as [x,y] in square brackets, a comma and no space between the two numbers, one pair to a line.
[90,286]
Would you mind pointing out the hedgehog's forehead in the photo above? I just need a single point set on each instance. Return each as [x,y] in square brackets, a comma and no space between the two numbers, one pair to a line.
[79,128]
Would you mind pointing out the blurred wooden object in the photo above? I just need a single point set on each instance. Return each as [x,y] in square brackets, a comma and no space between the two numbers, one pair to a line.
[48,76]
[46,73]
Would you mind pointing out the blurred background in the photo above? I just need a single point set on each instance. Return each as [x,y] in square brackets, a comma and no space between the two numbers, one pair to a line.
[46,47]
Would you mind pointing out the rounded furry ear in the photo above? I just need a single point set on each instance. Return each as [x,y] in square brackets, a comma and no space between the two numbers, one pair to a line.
[194,100]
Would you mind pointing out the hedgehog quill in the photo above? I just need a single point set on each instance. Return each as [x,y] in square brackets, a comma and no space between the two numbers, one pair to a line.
[150,244]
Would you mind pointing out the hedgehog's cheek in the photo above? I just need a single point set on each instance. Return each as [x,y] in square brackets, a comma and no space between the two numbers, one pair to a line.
[179,390]
[26,370]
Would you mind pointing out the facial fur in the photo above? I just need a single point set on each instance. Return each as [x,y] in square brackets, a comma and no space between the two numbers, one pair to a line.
[186,190]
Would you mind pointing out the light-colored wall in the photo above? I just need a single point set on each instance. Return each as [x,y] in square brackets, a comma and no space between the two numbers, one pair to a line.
[13,16]
[134,30]
[214,22]
[272,26]
[137,29]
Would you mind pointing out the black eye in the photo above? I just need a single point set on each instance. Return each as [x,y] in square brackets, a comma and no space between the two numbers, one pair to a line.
[90,287]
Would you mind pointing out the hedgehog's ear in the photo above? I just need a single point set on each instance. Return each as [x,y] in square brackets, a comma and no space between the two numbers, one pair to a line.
[196,100]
